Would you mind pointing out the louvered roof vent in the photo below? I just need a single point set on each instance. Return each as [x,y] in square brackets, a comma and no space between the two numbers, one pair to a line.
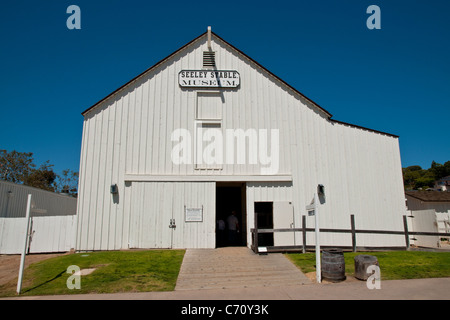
[209,59]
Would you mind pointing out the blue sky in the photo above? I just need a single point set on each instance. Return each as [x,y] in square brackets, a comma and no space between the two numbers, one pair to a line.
[396,79]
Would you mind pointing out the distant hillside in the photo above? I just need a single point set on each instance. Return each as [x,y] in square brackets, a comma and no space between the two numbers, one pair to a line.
[414,177]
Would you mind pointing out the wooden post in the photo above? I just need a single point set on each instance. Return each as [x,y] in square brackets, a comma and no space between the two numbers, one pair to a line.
[405,226]
[352,222]
[304,233]
[317,236]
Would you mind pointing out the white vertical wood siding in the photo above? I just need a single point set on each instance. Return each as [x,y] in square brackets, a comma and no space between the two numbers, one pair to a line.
[424,221]
[50,234]
[153,204]
[147,210]
[129,133]
[12,235]
[277,192]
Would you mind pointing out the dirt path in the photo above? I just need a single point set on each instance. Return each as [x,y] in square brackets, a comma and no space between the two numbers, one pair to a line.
[9,264]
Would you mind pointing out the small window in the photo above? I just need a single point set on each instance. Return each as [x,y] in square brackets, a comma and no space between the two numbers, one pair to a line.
[208,145]
[209,106]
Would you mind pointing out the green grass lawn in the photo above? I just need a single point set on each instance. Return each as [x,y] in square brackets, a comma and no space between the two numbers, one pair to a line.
[116,271]
[393,264]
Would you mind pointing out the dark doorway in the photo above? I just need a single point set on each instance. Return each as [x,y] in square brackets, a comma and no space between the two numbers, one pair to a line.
[230,197]
[264,216]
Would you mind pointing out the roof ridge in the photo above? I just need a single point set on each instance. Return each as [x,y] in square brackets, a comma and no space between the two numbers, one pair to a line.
[328,114]
[188,44]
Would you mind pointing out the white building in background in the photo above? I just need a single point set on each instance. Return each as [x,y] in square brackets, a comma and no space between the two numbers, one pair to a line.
[13,201]
[52,220]
[432,200]
[208,130]
[442,184]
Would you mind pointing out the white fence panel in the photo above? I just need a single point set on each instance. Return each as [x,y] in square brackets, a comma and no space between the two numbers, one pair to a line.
[443,221]
[12,235]
[425,221]
[49,234]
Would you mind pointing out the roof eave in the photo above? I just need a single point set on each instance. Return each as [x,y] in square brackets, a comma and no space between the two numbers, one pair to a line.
[141,74]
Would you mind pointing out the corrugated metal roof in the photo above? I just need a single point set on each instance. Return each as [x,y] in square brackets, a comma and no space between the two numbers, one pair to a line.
[13,201]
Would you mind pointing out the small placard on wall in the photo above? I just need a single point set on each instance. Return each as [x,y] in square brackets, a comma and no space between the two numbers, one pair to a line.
[194,215]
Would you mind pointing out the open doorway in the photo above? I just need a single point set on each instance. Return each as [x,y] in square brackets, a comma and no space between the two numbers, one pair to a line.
[264,218]
[230,196]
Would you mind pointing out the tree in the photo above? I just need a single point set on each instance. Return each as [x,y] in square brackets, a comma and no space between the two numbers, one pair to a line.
[15,166]
[426,180]
[414,168]
[414,177]
[42,178]
[410,176]
[19,167]
[441,170]
[68,182]
[437,169]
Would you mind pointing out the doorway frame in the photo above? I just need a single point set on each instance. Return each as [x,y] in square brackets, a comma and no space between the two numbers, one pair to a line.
[243,221]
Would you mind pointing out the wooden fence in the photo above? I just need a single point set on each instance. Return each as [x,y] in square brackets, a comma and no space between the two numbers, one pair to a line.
[353,231]
[48,234]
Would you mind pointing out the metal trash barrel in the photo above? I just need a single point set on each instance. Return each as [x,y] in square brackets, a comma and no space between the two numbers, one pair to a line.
[333,265]
[362,262]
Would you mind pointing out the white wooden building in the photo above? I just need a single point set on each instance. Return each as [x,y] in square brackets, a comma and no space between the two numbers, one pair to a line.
[208,130]
[436,201]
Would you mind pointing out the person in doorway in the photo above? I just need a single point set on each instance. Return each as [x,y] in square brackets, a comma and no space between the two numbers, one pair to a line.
[221,233]
[233,228]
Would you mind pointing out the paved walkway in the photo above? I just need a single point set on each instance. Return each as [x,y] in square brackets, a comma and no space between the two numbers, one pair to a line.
[236,267]
[415,289]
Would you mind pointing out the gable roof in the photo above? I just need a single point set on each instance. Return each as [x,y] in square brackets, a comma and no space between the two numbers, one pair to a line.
[328,114]
[430,196]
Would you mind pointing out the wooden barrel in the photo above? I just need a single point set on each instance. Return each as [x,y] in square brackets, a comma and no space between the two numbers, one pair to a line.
[333,265]
[362,262]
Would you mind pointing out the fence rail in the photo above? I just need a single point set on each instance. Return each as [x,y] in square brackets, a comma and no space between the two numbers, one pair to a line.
[353,231]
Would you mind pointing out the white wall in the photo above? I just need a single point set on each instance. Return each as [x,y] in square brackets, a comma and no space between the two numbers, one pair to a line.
[50,234]
[147,210]
[153,204]
[128,135]
[280,192]
[423,221]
